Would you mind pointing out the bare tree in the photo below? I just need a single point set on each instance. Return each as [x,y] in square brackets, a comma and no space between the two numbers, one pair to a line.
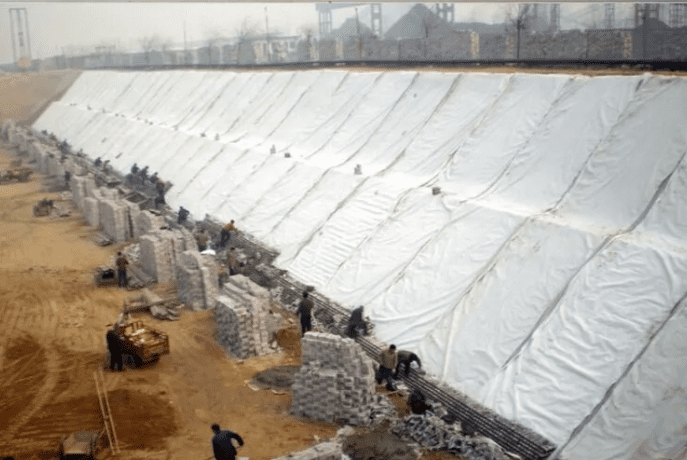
[517,18]
[243,33]
[150,44]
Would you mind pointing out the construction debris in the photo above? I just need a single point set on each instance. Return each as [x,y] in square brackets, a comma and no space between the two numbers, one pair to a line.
[168,309]
[433,433]
[323,451]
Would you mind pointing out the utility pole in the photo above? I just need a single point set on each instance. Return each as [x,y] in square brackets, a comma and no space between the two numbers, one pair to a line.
[357,31]
[267,36]
[21,38]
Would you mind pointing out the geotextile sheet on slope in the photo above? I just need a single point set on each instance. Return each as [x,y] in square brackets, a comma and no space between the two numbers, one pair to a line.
[545,280]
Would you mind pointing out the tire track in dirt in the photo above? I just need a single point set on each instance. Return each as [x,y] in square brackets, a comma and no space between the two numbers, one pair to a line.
[42,396]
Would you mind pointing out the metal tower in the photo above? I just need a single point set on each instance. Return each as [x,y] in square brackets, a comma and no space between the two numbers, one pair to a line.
[445,11]
[21,40]
[376,19]
[677,14]
[609,16]
[644,11]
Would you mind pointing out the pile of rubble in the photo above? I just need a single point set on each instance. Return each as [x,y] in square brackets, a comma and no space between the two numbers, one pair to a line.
[431,432]
[322,451]
[336,382]
[245,323]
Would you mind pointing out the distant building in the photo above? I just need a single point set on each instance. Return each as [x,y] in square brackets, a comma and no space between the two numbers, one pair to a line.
[352,28]
[419,22]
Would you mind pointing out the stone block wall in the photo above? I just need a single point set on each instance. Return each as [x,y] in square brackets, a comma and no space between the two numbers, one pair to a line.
[197,277]
[146,221]
[77,185]
[609,44]
[92,211]
[241,314]
[569,44]
[410,49]
[161,250]
[335,382]
[156,258]
[114,219]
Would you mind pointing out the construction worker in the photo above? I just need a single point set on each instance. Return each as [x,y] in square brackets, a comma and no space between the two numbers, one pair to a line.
[388,360]
[67,176]
[121,262]
[115,347]
[97,162]
[305,313]
[406,357]
[202,240]
[183,215]
[225,234]
[222,447]
[232,262]
[417,402]
[356,322]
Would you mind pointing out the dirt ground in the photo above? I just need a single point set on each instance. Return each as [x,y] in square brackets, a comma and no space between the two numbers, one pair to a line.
[52,340]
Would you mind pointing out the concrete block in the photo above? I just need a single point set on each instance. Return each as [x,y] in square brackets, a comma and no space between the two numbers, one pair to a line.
[156,258]
[92,211]
[114,219]
[146,221]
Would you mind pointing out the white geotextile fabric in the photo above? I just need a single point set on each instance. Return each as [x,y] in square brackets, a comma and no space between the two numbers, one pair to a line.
[545,281]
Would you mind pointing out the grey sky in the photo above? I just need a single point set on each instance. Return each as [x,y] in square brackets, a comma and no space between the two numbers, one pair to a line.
[57,27]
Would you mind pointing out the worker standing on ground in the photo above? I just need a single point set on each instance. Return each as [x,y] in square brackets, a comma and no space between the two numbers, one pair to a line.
[388,360]
[225,234]
[305,313]
[115,347]
[67,176]
[406,357]
[222,446]
[121,262]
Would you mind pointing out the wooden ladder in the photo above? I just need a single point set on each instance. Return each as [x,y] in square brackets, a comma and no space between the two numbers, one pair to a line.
[105,410]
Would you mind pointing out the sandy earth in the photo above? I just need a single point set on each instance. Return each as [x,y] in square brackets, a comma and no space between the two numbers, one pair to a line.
[52,340]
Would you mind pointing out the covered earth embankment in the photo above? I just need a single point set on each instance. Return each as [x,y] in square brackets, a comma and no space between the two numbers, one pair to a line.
[545,279]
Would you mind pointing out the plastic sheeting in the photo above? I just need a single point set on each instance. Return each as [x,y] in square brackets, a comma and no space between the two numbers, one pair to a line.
[546,280]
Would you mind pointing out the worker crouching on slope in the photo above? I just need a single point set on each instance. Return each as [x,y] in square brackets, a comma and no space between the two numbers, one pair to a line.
[405,358]
[355,323]
[222,446]
[388,360]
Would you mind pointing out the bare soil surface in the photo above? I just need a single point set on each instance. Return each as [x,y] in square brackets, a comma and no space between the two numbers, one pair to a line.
[52,341]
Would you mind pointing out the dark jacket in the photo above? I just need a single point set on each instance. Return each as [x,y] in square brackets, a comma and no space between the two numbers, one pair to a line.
[113,341]
[222,446]
[305,308]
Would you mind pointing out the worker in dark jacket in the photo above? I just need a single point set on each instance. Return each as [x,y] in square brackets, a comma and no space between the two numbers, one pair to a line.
[356,322]
[305,313]
[115,347]
[388,360]
[222,446]
[122,262]
[406,357]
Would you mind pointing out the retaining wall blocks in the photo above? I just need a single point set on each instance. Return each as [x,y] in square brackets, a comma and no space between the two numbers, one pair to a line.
[114,219]
[197,277]
[92,211]
[241,314]
[146,221]
[336,381]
